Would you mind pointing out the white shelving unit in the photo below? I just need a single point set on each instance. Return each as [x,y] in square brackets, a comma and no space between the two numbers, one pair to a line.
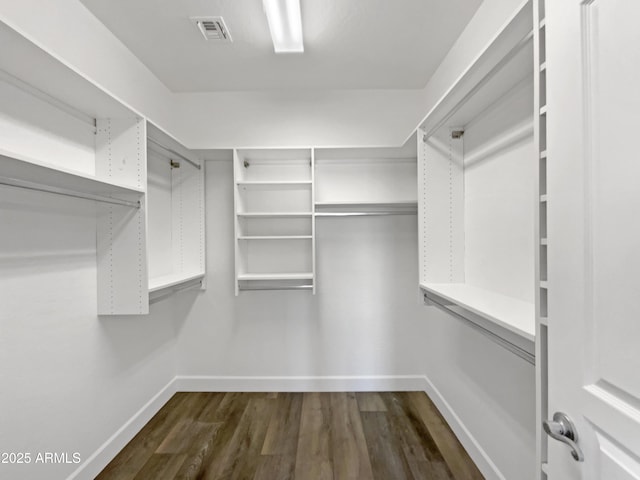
[274,229]
[63,135]
[541,287]
[175,192]
[477,187]
[365,181]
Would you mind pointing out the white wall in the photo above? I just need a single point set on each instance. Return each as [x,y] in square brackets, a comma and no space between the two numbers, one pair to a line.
[500,164]
[361,322]
[297,118]
[69,380]
[489,389]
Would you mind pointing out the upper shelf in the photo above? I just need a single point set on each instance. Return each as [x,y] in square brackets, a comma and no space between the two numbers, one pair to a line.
[509,313]
[505,63]
[20,171]
[50,77]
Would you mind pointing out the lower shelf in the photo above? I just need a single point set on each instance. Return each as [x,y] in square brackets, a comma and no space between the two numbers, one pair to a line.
[508,318]
[275,281]
[275,276]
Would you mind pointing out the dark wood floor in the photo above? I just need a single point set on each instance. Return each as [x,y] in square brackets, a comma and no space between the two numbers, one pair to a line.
[278,436]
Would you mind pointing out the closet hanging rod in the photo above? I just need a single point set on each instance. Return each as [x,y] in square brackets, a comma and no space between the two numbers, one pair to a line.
[165,292]
[365,214]
[506,344]
[483,81]
[278,287]
[51,100]
[12,182]
[173,152]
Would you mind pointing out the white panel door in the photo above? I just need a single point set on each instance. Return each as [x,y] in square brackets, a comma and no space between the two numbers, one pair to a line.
[593,80]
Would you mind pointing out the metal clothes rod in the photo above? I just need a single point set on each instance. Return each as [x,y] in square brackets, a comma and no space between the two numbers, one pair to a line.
[503,61]
[173,152]
[160,294]
[282,287]
[12,182]
[512,347]
[36,92]
[364,214]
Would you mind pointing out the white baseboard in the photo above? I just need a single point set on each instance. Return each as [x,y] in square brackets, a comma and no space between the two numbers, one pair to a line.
[301,384]
[93,465]
[484,463]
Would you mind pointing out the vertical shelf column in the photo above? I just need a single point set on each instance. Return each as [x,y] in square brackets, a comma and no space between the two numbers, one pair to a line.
[542,314]
[313,218]
[274,219]
[121,156]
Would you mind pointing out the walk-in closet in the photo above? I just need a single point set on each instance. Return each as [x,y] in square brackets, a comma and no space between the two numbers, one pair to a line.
[291,239]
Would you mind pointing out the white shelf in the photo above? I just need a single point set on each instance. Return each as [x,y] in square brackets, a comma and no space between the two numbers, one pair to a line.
[275,237]
[275,184]
[544,284]
[172,280]
[274,214]
[512,314]
[543,198]
[543,66]
[275,276]
[543,23]
[17,167]
[543,241]
[398,203]
[543,154]
[543,110]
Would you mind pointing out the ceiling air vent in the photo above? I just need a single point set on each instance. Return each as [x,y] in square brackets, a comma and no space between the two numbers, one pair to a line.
[213,28]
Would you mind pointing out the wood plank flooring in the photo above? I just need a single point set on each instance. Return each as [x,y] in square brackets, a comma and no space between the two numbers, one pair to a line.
[301,436]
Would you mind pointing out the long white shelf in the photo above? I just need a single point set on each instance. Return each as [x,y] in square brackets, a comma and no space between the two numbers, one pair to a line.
[275,237]
[274,214]
[398,203]
[172,280]
[274,183]
[512,314]
[18,167]
[275,276]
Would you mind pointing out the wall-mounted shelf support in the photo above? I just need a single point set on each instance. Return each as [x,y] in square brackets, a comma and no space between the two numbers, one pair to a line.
[173,152]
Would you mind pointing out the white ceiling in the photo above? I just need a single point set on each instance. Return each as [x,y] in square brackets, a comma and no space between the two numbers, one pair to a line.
[349,44]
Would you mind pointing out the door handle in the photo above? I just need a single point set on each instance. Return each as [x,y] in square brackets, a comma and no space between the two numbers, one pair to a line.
[563,430]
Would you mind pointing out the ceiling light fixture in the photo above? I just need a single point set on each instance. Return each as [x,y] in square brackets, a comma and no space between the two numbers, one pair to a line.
[285,24]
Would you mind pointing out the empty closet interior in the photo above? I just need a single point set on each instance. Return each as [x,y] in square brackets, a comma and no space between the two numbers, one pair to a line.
[289,265]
